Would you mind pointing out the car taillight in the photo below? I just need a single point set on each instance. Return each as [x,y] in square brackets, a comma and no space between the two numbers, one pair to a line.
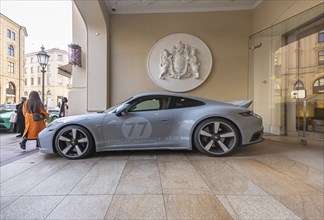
[247,113]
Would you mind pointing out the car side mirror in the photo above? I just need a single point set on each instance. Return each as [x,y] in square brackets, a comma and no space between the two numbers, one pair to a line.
[121,109]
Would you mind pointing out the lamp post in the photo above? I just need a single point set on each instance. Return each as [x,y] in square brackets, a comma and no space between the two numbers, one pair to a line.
[42,58]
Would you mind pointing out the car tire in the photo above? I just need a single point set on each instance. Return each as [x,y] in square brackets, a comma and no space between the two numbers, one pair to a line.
[74,142]
[216,137]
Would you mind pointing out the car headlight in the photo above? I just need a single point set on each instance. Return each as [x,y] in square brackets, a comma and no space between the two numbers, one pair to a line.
[53,124]
[247,113]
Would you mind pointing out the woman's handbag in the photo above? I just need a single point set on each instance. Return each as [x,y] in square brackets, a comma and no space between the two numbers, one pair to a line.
[38,116]
[13,117]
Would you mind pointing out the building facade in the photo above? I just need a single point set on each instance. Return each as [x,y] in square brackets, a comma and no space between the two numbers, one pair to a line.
[56,86]
[12,71]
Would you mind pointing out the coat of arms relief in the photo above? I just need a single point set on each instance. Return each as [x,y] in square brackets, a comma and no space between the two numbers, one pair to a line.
[179,62]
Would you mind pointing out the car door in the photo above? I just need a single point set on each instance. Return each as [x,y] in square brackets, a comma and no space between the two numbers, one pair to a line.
[147,123]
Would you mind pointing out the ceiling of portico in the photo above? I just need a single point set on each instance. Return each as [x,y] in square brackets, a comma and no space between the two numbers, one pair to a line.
[169,6]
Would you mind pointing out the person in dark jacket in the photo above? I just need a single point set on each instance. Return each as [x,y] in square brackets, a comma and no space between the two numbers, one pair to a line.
[20,124]
[64,107]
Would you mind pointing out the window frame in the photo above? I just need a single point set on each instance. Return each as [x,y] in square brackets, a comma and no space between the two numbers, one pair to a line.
[140,100]
[297,85]
[321,57]
[11,50]
[59,57]
[8,33]
[11,67]
[321,36]
[13,35]
[319,88]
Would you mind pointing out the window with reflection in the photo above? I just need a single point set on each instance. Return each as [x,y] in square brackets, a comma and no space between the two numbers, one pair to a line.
[321,36]
[318,86]
[321,57]
[299,85]
[11,51]
[10,67]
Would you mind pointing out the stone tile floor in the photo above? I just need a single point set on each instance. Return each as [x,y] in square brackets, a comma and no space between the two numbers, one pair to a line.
[269,180]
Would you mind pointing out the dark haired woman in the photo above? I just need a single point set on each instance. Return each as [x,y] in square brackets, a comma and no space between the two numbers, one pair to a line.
[32,128]
[64,107]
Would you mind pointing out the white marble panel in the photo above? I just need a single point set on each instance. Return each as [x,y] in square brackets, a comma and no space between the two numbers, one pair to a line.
[82,207]
[140,177]
[25,181]
[255,207]
[64,180]
[31,207]
[136,207]
[102,178]
[180,177]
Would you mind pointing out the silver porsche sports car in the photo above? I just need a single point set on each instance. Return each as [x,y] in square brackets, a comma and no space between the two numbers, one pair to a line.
[156,121]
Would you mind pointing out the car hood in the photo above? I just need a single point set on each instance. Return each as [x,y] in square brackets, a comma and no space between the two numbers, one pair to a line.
[5,114]
[95,117]
[3,111]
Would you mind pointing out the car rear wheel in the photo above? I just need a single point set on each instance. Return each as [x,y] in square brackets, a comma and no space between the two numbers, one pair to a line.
[216,137]
[74,142]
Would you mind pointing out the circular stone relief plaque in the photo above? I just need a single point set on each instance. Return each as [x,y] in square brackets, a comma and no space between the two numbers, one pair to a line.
[179,62]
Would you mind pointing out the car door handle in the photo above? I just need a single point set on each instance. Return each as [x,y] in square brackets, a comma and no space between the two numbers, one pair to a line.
[165,119]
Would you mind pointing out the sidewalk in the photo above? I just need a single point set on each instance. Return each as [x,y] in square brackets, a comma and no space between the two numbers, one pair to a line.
[10,150]
[269,180]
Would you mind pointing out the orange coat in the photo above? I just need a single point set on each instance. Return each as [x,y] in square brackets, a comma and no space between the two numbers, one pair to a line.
[32,128]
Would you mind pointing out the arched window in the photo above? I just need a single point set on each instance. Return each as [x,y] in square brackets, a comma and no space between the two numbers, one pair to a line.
[10,89]
[318,86]
[299,85]
[40,93]
[49,92]
[26,93]
[11,51]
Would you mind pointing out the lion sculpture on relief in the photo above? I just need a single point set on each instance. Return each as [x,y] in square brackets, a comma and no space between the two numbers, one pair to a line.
[180,62]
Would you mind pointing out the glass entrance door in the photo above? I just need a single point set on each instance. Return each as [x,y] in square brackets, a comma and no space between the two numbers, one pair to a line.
[287,77]
[305,80]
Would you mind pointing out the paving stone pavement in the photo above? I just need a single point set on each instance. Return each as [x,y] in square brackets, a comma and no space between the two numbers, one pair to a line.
[269,180]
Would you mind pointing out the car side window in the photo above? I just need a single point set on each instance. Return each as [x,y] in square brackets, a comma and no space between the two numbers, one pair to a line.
[150,104]
[147,105]
[179,102]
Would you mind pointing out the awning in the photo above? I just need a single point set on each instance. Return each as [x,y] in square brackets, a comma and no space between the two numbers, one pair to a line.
[65,70]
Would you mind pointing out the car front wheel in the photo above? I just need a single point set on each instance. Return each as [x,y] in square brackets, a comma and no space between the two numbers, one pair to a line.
[216,137]
[74,142]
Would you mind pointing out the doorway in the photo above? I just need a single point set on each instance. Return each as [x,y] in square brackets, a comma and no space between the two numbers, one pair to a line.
[287,77]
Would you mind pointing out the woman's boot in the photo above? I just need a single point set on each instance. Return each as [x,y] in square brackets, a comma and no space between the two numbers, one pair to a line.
[23,143]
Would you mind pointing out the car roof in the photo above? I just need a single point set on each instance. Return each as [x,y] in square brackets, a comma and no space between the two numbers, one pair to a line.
[175,95]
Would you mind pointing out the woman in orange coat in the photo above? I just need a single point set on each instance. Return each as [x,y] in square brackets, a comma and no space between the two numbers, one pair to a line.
[32,128]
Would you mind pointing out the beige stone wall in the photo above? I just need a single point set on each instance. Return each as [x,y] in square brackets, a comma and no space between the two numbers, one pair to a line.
[90,91]
[225,33]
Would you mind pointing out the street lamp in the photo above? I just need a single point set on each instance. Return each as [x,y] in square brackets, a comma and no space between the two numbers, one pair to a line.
[42,58]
